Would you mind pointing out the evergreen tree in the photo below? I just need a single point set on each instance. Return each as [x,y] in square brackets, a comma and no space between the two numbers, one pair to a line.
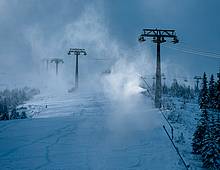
[10,99]
[210,153]
[174,88]
[198,136]
[3,111]
[216,133]
[23,115]
[203,97]
[210,150]
[206,139]
[217,130]
[165,89]
[217,98]
[211,93]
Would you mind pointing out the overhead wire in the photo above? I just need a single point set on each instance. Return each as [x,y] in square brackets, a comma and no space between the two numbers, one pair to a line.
[196,52]
[100,59]
[193,49]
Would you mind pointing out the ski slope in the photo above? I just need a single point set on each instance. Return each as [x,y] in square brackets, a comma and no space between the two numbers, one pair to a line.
[87,131]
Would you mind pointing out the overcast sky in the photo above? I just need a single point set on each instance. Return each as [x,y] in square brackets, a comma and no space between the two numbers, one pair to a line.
[34,29]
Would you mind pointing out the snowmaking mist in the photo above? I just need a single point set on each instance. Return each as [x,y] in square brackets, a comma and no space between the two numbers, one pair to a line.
[109,68]
[129,108]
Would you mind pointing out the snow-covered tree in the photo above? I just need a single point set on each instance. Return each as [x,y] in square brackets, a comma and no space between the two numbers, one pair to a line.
[174,88]
[203,96]
[3,110]
[10,99]
[210,155]
[23,115]
[210,151]
[179,90]
[211,93]
[198,136]
[206,139]
[217,98]
[165,89]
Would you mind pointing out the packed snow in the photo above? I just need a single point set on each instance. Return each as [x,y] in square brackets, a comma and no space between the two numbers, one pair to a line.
[87,130]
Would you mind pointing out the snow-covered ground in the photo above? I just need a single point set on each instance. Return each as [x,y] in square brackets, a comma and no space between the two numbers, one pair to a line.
[87,130]
[183,118]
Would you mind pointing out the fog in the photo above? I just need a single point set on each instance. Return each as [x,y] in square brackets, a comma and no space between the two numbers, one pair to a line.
[109,68]
[38,31]
[88,31]
[35,30]
[113,66]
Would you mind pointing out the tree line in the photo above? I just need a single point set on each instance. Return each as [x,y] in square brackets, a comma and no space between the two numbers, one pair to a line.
[10,99]
[206,138]
[178,90]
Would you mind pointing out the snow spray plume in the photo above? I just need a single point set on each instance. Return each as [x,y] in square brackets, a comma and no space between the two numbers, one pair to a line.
[122,87]
[98,45]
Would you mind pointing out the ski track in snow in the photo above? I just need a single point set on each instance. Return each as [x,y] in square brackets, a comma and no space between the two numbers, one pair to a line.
[85,132]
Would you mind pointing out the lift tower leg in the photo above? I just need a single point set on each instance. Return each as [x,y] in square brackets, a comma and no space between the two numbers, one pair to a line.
[76,52]
[77,72]
[158,79]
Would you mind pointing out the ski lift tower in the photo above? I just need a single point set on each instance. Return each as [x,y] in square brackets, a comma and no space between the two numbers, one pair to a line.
[57,61]
[197,78]
[47,62]
[77,52]
[158,36]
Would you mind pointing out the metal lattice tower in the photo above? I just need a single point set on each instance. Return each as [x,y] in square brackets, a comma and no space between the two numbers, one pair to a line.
[158,36]
[77,52]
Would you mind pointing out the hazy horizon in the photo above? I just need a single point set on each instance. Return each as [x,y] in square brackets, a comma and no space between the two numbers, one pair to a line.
[108,30]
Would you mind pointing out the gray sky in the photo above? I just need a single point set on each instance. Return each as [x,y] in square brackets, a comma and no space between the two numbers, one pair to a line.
[34,29]
[196,22]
